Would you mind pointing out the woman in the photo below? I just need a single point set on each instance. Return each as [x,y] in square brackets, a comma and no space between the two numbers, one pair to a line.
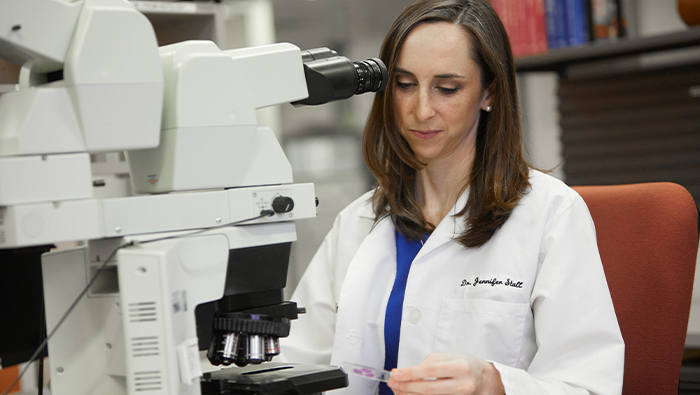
[464,268]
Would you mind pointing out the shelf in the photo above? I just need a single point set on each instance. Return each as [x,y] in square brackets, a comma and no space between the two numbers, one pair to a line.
[559,59]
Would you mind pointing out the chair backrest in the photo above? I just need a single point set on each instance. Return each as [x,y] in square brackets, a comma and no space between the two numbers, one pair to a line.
[648,240]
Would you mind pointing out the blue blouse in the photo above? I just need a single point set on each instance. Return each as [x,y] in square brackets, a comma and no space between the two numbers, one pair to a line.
[406,252]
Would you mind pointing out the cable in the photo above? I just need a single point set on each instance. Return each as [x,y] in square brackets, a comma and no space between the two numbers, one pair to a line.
[263,214]
[42,346]
[42,355]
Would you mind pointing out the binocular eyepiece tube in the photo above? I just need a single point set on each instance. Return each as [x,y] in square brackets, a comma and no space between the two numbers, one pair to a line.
[330,76]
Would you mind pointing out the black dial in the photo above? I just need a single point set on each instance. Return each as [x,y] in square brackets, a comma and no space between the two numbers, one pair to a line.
[282,204]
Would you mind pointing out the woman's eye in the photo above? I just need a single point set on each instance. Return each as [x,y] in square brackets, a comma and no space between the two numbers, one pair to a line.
[447,91]
[403,85]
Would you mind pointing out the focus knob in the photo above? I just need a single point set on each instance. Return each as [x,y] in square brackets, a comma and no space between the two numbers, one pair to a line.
[282,204]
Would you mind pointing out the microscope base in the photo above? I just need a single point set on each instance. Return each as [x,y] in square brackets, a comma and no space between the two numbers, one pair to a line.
[274,378]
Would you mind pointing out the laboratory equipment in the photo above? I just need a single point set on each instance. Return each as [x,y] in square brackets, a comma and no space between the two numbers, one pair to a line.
[166,273]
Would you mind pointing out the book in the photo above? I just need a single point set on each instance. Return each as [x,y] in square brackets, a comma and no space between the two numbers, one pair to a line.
[605,18]
[518,19]
[503,11]
[538,27]
[524,21]
[557,30]
[576,22]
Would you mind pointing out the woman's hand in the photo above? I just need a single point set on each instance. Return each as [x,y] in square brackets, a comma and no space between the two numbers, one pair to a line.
[448,373]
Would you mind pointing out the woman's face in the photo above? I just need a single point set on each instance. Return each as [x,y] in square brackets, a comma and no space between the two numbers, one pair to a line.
[437,94]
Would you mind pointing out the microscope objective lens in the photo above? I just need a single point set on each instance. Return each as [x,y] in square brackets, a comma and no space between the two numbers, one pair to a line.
[256,349]
[230,348]
[214,353]
[272,345]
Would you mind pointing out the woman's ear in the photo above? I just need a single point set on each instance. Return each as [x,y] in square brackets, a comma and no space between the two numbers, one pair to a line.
[488,98]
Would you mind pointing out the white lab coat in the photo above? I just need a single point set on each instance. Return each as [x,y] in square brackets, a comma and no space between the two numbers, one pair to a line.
[533,300]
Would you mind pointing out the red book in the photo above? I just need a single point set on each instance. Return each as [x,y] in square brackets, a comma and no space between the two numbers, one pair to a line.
[539,27]
[503,12]
[521,34]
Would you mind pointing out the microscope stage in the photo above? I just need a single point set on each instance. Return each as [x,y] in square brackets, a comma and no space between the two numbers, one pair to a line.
[274,378]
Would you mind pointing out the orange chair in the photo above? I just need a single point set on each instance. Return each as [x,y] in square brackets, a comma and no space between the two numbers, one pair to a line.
[7,376]
[648,240]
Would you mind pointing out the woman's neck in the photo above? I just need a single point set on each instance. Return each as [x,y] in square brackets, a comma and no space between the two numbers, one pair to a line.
[439,185]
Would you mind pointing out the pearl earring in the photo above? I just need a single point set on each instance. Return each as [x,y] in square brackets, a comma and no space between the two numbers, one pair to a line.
[489,108]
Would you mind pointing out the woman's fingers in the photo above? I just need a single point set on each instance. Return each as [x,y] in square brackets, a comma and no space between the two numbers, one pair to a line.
[444,373]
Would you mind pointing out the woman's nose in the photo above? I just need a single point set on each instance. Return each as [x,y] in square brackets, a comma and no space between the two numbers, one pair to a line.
[424,107]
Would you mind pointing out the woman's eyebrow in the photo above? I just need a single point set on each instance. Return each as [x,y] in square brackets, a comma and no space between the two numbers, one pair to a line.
[399,70]
[438,76]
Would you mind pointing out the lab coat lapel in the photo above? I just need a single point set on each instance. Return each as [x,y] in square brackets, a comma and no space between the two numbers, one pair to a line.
[359,336]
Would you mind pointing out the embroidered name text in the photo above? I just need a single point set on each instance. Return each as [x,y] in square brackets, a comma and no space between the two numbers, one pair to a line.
[492,282]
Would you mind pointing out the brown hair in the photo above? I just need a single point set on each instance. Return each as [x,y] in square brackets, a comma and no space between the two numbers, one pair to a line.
[499,174]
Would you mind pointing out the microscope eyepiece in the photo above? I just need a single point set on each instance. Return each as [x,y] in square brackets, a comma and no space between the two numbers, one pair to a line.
[372,75]
[330,76]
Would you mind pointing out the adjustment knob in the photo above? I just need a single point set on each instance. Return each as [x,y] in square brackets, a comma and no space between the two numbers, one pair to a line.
[282,204]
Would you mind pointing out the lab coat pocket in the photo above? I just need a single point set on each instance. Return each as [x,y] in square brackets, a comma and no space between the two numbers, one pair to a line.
[484,328]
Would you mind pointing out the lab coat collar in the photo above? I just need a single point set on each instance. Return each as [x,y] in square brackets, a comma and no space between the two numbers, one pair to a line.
[367,210]
[447,230]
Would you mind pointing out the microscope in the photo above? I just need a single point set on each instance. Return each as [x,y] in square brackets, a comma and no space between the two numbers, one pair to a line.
[178,289]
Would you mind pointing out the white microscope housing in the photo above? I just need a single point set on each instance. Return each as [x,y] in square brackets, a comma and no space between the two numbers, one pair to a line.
[94,80]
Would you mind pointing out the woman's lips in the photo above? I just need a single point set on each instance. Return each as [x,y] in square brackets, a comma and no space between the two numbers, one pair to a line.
[425,134]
